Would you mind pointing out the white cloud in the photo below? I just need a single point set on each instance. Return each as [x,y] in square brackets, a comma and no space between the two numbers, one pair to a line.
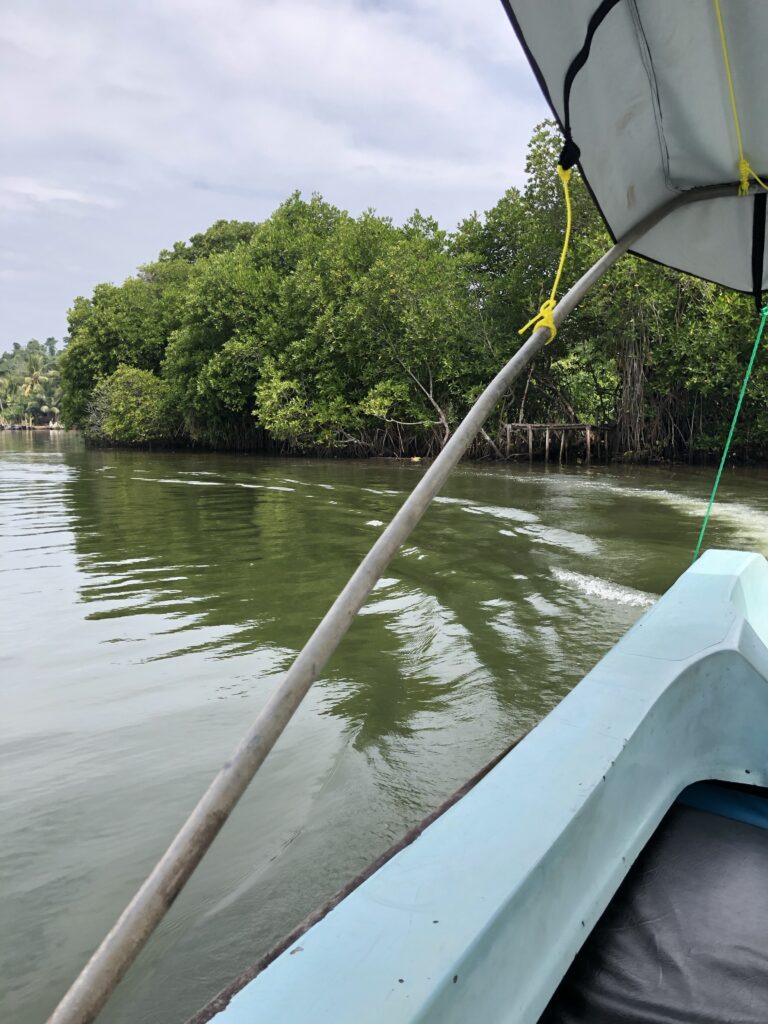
[152,118]
[27,193]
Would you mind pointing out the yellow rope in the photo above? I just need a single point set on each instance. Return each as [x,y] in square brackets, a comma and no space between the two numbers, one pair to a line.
[745,168]
[545,316]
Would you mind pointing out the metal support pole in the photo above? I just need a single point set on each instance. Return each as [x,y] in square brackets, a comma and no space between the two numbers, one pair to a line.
[138,921]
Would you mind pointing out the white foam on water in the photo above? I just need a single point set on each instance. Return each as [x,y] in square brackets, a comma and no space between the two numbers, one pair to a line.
[737,514]
[290,480]
[408,552]
[542,605]
[579,543]
[374,522]
[515,515]
[384,583]
[26,455]
[130,561]
[266,487]
[303,483]
[175,480]
[479,508]
[749,520]
[187,483]
[604,590]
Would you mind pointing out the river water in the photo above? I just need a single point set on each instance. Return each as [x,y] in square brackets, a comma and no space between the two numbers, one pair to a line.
[151,601]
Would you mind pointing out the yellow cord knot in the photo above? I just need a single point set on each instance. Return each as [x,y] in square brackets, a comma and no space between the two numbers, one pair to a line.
[745,172]
[544,318]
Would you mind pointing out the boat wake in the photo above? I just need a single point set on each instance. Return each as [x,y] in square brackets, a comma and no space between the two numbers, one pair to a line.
[604,590]
[736,514]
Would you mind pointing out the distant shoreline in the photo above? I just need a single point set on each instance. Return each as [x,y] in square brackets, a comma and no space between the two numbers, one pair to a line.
[35,426]
[518,459]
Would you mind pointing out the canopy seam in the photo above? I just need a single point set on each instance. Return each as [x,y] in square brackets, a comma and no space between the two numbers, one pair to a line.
[646,58]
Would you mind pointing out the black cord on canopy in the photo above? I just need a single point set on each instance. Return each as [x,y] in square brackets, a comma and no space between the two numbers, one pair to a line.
[758,249]
[571,152]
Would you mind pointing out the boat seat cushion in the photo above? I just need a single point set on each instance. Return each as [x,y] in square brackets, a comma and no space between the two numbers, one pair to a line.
[685,939]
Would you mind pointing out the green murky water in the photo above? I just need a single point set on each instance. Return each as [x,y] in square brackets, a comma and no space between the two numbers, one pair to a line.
[150,602]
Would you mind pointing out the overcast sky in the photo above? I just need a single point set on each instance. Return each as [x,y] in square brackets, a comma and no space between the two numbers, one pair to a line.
[127,125]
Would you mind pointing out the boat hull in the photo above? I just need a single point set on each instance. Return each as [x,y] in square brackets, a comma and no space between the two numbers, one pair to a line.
[480,917]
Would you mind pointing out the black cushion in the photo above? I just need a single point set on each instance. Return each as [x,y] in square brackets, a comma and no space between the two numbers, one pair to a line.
[685,939]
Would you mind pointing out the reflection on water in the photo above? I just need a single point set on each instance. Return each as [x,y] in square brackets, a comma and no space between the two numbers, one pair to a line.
[151,602]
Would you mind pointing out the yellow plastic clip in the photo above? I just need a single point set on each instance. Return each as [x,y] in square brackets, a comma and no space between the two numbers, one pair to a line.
[545,316]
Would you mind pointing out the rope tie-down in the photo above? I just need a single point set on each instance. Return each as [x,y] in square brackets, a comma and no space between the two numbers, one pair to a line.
[545,315]
[568,158]
[746,174]
[746,171]
[745,382]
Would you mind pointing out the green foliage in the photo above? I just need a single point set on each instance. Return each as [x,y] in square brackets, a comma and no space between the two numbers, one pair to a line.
[130,407]
[127,324]
[30,385]
[220,237]
[317,331]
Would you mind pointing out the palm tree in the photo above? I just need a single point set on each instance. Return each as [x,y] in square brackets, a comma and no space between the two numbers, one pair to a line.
[30,384]
[49,397]
[35,376]
[5,387]
[15,405]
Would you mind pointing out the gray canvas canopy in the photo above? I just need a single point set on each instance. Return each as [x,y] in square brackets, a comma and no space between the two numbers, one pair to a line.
[650,112]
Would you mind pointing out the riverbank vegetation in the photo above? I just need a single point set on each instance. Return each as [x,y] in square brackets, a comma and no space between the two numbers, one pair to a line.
[30,385]
[317,332]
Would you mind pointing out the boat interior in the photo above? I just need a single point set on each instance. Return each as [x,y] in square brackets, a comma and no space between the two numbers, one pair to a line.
[685,938]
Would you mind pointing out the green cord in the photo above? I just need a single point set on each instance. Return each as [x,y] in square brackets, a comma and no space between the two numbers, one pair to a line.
[755,347]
